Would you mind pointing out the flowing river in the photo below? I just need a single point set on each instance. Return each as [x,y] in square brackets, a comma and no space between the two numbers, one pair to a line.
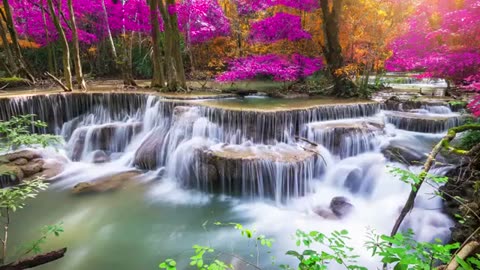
[191,163]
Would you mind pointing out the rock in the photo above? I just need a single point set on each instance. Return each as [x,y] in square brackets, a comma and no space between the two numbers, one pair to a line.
[50,169]
[28,154]
[100,156]
[33,167]
[106,183]
[147,155]
[339,208]
[276,171]
[19,162]
[404,155]
[427,123]
[103,137]
[337,136]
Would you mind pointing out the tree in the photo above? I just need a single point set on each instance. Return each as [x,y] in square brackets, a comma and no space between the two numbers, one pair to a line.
[20,67]
[158,79]
[174,68]
[67,73]
[76,48]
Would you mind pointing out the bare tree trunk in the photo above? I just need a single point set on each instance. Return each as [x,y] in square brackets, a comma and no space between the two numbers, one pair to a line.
[158,79]
[110,37]
[17,51]
[63,42]
[76,49]
[51,65]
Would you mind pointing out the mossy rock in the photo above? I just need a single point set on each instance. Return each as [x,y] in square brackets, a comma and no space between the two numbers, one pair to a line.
[11,82]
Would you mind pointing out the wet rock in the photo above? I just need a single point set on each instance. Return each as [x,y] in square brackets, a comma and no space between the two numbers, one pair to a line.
[404,155]
[106,183]
[339,208]
[112,137]
[100,156]
[148,154]
[346,137]
[19,162]
[267,171]
[427,123]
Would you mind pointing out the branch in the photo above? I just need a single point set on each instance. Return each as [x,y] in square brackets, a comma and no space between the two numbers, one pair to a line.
[36,260]
[466,251]
[445,142]
[57,81]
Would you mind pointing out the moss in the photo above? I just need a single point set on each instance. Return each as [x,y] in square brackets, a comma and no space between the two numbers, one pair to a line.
[13,82]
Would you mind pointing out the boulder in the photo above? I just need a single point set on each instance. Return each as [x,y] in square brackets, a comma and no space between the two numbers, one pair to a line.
[339,208]
[147,155]
[404,155]
[28,154]
[106,183]
[100,156]
[33,167]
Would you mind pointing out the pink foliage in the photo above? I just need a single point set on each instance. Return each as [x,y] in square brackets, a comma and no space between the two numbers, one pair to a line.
[280,67]
[202,20]
[279,26]
[443,41]
[246,7]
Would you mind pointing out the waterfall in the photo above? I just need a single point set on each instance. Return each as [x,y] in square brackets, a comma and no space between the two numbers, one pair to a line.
[278,168]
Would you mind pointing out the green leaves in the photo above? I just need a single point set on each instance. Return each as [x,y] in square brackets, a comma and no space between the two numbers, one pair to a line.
[12,199]
[336,251]
[168,264]
[16,132]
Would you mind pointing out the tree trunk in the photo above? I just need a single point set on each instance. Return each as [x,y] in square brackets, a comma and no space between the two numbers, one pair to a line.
[177,53]
[158,79]
[8,50]
[63,42]
[110,37]
[174,68]
[76,49]
[17,51]
[332,49]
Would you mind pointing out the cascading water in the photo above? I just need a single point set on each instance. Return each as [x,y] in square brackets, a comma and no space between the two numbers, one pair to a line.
[219,164]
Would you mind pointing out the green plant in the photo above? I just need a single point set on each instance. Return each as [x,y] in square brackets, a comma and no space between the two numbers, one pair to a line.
[404,253]
[12,199]
[17,132]
[336,251]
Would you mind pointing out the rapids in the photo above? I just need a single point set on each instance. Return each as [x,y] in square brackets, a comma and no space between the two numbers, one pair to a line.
[207,161]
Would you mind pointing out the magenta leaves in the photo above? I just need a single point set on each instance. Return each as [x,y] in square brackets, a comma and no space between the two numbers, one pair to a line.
[279,26]
[278,67]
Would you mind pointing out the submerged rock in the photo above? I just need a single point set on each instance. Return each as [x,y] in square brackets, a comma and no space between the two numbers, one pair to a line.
[106,183]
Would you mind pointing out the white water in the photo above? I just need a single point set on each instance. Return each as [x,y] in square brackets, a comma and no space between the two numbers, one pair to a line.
[360,174]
